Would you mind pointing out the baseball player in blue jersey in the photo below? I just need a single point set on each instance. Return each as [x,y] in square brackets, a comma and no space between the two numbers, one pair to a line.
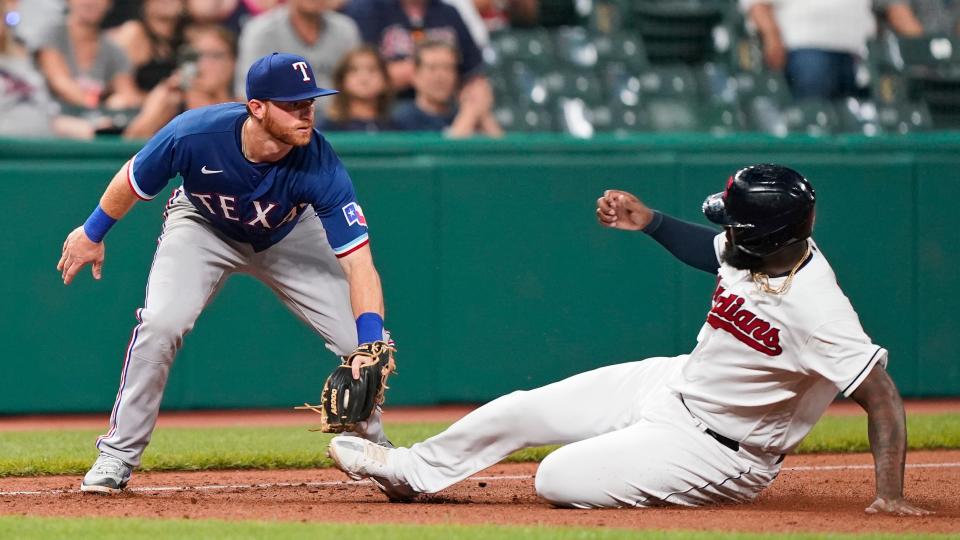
[263,193]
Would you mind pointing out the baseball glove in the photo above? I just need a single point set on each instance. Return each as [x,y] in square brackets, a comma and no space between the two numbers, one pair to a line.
[344,401]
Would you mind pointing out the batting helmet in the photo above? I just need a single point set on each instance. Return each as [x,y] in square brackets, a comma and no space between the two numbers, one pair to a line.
[769,207]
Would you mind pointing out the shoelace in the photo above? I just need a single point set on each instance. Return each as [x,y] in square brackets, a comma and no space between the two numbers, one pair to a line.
[109,465]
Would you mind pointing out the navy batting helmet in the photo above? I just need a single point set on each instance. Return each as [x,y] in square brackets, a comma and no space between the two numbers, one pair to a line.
[769,207]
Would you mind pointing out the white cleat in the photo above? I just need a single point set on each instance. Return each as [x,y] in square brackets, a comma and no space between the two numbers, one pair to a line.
[107,475]
[360,458]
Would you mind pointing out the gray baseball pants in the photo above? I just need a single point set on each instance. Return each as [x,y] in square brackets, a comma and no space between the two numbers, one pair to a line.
[191,264]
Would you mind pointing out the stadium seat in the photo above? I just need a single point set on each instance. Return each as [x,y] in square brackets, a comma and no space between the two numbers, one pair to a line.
[768,85]
[929,51]
[812,117]
[889,88]
[575,48]
[574,117]
[859,116]
[618,118]
[677,31]
[528,85]
[522,118]
[671,114]
[574,84]
[528,46]
[609,16]
[621,48]
[721,118]
[904,118]
[673,81]
[715,83]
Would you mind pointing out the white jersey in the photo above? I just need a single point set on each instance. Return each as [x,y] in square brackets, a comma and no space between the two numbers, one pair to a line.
[766,366]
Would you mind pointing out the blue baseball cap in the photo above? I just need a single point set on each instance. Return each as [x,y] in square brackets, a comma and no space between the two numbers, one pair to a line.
[283,77]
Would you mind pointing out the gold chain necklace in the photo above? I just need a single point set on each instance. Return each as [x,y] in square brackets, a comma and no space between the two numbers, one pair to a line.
[763,281]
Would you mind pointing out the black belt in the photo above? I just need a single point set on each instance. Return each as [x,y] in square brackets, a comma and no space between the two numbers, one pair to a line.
[726,441]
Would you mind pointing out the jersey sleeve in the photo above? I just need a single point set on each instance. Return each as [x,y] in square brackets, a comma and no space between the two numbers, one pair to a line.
[336,205]
[153,166]
[841,352]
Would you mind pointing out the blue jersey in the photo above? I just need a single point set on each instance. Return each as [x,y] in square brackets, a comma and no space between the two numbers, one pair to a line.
[257,203]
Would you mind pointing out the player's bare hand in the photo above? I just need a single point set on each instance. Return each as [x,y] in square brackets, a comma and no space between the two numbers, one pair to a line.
[898,507]
[79,251]
[621,210]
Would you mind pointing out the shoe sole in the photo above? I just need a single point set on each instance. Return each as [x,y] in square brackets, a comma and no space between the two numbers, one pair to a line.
[101,489]
[381,485]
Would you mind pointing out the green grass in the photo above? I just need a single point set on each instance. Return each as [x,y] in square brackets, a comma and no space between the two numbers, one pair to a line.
[25,528]
[27,453]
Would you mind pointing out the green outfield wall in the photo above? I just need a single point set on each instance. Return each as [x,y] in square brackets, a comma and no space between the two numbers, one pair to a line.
[495,273]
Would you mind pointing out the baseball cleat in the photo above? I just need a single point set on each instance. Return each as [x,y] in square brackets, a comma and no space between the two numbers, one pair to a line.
[360,458]
[108,475]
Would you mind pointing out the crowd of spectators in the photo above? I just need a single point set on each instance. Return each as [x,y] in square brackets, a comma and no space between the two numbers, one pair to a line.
[78,68]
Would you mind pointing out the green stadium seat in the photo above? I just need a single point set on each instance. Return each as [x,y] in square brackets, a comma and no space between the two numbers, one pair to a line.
[574,117]
[671,81]
[580,84]
[618,118]
[889,88]
[859,116]
[715,83]
[672,115]
[721,118]
[812,117]
[768,85]
[609,16]
[904,118]
[528,85]
[574,47]
[621,48]
[678,31]
[523,118]
[929,51]
[528,46]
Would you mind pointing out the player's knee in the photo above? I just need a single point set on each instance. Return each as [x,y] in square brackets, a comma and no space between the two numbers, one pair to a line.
[166,325]
[552,482]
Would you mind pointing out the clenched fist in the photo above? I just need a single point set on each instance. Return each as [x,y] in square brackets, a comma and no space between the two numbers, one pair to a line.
[621,210]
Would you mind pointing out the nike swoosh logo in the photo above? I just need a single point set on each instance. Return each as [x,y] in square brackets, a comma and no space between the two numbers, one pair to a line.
[205,170]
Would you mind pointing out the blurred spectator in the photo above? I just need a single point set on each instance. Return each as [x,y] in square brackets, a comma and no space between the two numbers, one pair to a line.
[82,67]
[913,18]
[363,103]
[472,19]
[28,110]
[151,41]
[230,14]
[816,42]
[397,26]
[205,80]
[304,27]
[435,80]
[501,14]
[37,17]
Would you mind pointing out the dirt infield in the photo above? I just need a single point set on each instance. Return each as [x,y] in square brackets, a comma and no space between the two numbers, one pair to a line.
[825,493]
[817,493]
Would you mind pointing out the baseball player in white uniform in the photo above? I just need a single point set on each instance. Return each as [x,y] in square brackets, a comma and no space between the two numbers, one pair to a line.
[779,342]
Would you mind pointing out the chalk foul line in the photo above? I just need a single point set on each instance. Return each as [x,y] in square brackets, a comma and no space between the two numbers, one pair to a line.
[334,483]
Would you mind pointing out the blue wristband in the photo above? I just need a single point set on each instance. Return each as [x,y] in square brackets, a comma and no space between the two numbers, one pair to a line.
[369,327]
[97,225]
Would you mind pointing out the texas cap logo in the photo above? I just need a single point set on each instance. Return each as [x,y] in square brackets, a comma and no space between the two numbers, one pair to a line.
[302,66]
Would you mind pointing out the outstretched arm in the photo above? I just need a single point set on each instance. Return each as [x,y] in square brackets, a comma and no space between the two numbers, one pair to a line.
[886,428]
[366,297]
[692,244]
[84,245]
